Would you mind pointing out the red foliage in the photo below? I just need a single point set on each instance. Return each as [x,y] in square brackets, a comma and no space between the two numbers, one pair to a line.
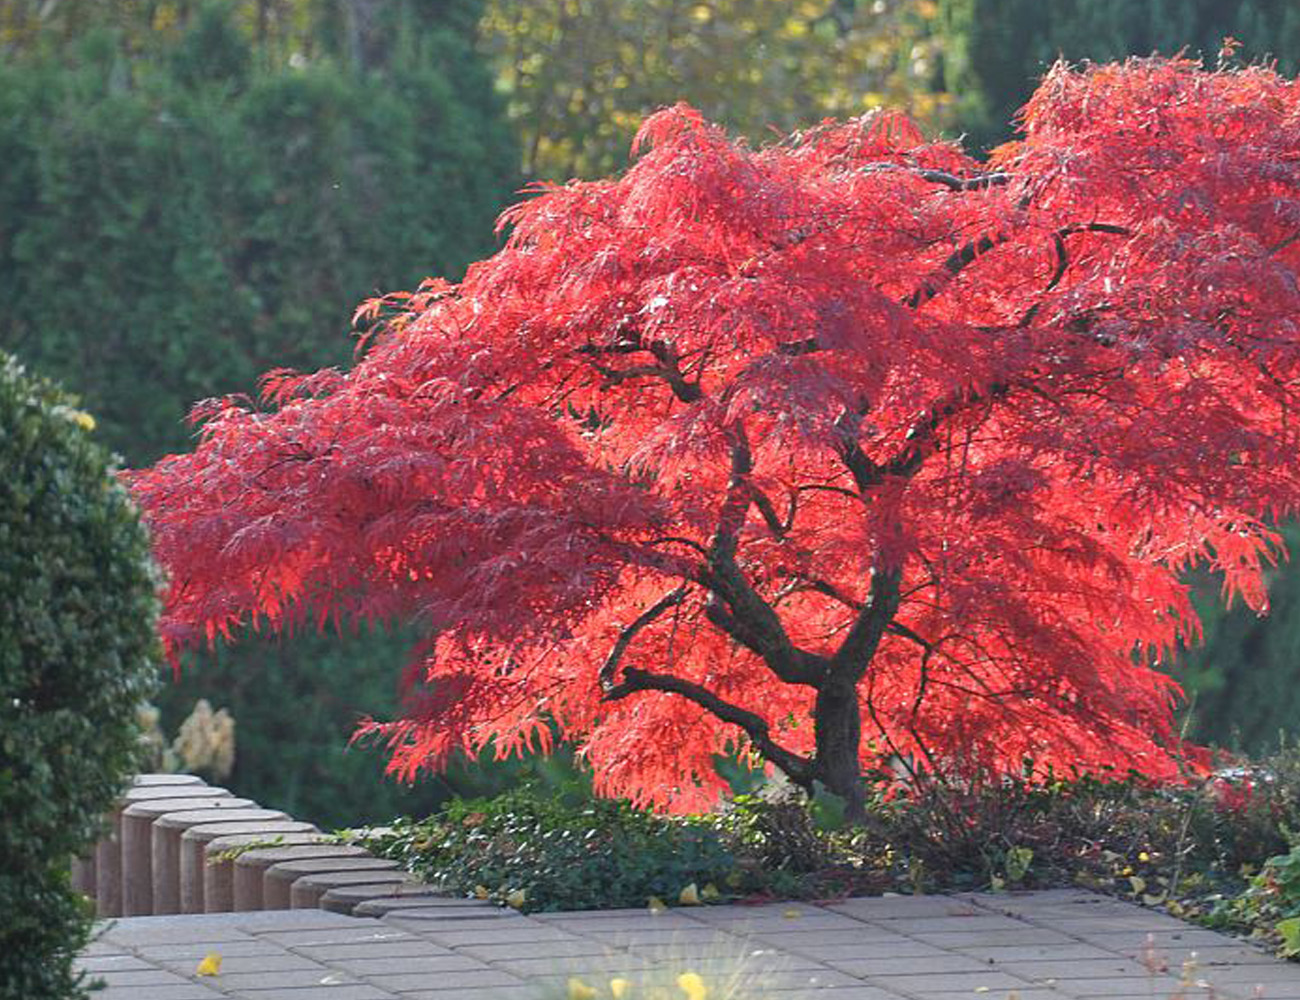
[849,432]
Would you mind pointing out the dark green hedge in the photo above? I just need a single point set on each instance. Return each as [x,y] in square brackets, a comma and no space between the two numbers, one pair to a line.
[175,223]
[181,211]
[995,51]
[77,657]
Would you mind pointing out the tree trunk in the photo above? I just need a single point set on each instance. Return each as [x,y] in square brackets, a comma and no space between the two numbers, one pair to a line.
[837,722]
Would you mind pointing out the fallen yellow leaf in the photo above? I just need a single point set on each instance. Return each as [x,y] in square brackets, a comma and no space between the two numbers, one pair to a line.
[790,914]
[693,986]
[656,905]
[690,896]
[516,898]
[578,990]
[710,891]
[619,987]
[210,966]
[481,892]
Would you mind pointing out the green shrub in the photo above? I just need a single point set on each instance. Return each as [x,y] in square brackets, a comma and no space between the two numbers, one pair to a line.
[561,852]
[77,656]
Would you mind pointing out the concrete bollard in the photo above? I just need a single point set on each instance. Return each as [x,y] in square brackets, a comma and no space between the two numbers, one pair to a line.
[250,867]
[219,876]
[108,852]
[345,899]
[306,893]
[277,883]
[137,843]
[83,875]
[195,839]
[166,845]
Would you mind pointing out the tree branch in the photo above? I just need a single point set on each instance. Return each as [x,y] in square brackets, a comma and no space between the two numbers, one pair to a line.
[798,768]
[751,621]
[952,182]
[859,646]
[625,637]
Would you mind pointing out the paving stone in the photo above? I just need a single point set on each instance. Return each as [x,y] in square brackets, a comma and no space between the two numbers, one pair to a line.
[920,982]
[1239,954]
[282,961]
[1038,952]
[1184,938]
[419,897]
[187,991]
[611,964]
[982,922]
[140,977]
[1138,922]
[1276,972]
[278,920]
[1076,968]
[1033,993]
[499,951]
[516,991]
[977,938]
[904,907]
[485,932]
[618,920]
[866,934]
[368,931]
[339,991]
[110,963]
[779,923]
[916,951]
[176,953]
[858,992]
[441,918]
[473,979]
[372,949]
[804,979]
[864,967]
[168,930]
[1152,987]
[101,947]
[409,964]
[314,978]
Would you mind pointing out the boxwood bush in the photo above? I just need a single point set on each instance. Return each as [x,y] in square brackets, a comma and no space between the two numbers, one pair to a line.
[77,656]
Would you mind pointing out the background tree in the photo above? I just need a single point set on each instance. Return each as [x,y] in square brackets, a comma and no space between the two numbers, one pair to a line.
[855,444]
[580,75]
[206,191]
[995,51]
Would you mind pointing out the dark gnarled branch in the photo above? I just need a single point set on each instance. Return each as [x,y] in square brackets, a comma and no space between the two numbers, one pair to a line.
[625,637]
[798,768]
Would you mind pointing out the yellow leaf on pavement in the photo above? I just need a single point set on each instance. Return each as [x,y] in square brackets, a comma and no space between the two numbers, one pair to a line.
[693,986]
[210,966]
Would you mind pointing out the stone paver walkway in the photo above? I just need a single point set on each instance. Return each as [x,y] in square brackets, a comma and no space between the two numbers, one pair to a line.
[1036,946]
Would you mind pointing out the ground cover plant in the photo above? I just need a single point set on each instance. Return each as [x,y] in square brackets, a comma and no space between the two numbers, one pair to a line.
[846,450]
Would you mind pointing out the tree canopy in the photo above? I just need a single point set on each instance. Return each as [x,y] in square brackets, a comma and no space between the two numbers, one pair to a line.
[865,448]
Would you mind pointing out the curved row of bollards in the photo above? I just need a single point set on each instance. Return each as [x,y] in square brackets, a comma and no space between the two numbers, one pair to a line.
[175,844]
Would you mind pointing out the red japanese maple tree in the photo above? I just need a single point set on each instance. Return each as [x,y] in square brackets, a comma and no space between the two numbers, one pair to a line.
[847,447]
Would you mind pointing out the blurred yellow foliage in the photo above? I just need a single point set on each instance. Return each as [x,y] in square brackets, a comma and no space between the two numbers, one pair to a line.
[579,75]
